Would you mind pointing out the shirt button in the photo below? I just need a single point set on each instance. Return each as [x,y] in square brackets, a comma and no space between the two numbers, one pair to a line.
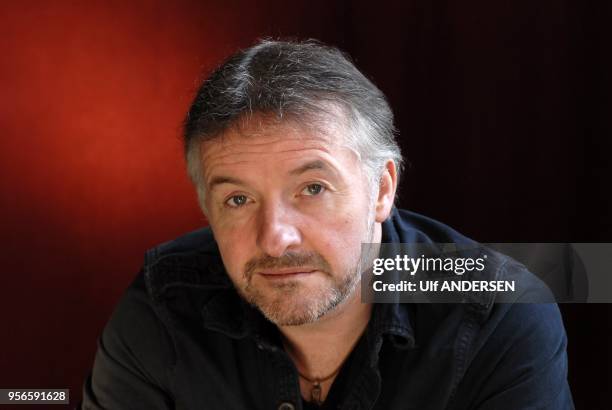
[286,406]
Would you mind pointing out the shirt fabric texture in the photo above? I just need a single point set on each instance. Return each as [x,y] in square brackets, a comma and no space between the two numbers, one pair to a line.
[182,338]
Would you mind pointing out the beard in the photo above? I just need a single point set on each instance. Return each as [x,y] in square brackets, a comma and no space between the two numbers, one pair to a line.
[295,302]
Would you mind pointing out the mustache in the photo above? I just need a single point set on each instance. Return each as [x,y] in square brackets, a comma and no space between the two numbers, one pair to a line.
[288,260]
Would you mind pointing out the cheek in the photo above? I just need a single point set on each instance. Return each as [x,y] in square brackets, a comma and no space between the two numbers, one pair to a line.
[341,239]
[234,249]
[353,225]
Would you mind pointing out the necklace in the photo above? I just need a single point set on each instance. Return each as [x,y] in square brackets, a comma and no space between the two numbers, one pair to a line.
[315,391]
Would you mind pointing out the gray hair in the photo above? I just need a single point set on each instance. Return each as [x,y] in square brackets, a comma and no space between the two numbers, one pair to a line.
[306,82]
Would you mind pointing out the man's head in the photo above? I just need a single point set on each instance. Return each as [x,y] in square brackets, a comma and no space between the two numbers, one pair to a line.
[292,152]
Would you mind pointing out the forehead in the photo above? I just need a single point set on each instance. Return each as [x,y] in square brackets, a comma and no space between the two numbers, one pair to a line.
[262,140]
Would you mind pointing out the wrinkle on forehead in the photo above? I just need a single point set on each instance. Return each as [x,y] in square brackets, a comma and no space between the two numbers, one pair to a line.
[282,154]
[265,135]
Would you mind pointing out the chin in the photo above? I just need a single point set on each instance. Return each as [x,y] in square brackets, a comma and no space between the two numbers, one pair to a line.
[294,306]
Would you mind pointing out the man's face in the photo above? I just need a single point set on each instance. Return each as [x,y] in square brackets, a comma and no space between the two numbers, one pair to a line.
[289,208]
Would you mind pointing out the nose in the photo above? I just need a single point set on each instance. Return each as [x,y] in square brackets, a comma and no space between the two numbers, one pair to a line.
[277,229]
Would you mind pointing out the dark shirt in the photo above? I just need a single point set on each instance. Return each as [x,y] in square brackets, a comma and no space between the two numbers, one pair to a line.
[182,338]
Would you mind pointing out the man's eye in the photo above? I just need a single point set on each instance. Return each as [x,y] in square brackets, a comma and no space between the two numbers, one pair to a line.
[313,189]
[236,201]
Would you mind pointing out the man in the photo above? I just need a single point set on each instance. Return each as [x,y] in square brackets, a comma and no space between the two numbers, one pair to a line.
[292,153]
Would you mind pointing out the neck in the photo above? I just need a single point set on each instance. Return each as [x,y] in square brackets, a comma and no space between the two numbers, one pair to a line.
[319,348]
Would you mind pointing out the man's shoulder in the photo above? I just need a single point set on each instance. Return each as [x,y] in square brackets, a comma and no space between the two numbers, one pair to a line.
[199,240]
[413,228]
[183,275]
[191,257]
[408,226]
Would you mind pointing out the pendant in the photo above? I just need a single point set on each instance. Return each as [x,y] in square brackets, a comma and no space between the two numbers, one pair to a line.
[315,393]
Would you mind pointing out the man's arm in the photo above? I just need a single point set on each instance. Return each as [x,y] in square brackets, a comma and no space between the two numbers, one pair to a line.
[134,358]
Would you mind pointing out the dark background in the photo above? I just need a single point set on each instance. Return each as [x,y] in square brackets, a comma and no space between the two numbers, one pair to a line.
[503,110]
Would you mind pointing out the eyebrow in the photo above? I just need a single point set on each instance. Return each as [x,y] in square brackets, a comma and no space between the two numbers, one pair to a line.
[309,166]
[219,180]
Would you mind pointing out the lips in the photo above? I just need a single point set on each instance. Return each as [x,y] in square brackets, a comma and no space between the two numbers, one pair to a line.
[286,273]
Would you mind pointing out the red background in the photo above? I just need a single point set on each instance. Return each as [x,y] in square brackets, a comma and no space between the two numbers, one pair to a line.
[503,113]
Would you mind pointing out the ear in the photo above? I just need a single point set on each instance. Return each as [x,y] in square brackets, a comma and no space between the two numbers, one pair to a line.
[386,192]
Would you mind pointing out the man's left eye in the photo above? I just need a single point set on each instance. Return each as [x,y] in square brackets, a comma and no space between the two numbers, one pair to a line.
[313,189]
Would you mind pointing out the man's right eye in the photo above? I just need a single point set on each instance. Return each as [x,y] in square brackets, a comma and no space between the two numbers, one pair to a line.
[236,201]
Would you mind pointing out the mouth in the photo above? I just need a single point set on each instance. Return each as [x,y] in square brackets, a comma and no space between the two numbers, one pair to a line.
[281,274]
